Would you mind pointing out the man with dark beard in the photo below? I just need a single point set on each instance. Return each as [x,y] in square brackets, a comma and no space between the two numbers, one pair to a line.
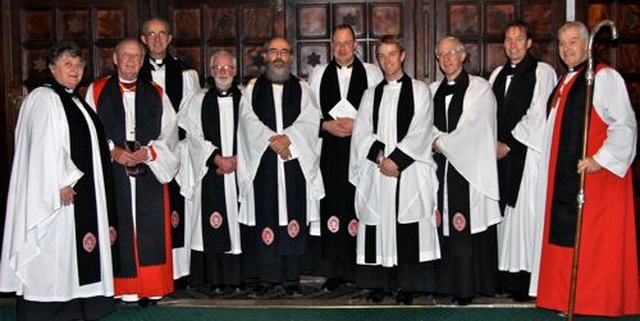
[338,87]
[208,177]
[278,173]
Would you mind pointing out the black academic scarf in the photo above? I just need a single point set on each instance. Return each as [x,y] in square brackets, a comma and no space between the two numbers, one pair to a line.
[457,186]
[330,87]
[334,164]
[216,237]
[566,182]
[407,235]
[173,88]
[265,182]
[172,79]
[512,106]
[149,230]
[85,205]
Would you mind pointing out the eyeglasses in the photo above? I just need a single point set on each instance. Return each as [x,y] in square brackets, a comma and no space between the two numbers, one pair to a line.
[219,68]
[282,52]
[447,54]
[159,34]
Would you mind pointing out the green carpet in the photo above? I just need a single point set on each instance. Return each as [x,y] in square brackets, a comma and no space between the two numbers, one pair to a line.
[387,313]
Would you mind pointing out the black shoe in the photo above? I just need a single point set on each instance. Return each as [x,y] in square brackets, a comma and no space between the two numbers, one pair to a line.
[146,302]
[404,297]
[462,301]
[376,295]
[293,291]
[333,283]
[259,292]
[521,296]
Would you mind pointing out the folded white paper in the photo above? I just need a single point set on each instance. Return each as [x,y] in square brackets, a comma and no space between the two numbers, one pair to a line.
[343,109]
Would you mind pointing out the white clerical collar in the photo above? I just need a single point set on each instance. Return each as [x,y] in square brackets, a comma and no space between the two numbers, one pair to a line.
[127,81]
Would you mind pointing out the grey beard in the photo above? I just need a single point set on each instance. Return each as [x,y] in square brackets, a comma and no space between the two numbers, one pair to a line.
[223,86]
[277,74]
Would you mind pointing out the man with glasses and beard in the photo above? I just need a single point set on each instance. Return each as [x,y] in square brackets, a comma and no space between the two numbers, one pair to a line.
[278,174]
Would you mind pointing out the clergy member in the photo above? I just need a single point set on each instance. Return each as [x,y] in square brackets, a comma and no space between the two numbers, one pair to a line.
[465,144]
[178,81]
[338,87]
[208,177]
[607,282]
[394,175]
[142,131]
[522,87]
[278,174]
[59,228]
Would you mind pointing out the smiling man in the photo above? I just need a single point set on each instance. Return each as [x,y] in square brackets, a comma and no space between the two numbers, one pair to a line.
[464,142]
[608,267]
[522,87]
[142,131]
[179,81]
[336,85]
[393,172]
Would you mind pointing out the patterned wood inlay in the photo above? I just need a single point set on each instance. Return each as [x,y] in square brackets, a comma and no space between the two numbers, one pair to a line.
[223,22]
[111,24]
[310,55]
[386,19]
[258,23]
[75,25]
[313,21]
[187,23]
[539,16]
[497,16]
[37,25]
[464,20]
[351,14]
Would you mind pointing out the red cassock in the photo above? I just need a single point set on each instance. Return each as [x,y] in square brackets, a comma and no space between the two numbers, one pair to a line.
[150,280]
[153,280]
[608,278]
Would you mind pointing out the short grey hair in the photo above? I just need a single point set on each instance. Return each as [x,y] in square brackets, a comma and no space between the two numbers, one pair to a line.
[127,40]
[459,48]
[584,32]
[222,53]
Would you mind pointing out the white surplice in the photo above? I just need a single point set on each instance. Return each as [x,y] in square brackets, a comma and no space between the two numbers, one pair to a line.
[471,149]
[39,249]
[375,197]
[515,233]
[193,168]
[253,140]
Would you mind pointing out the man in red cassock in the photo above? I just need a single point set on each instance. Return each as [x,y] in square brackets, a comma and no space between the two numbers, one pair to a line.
[607,281]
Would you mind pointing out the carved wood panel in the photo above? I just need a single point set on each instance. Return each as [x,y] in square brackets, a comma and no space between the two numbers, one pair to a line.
[202,27]
[312,25]
[480,26]
[95,26]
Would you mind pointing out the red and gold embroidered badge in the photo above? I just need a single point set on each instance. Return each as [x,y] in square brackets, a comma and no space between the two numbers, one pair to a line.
[113,235]
[459,222]
[333,224]
[293,228]
[89,242]
[353,227]
[267,236]
[175,219]
[215,219]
